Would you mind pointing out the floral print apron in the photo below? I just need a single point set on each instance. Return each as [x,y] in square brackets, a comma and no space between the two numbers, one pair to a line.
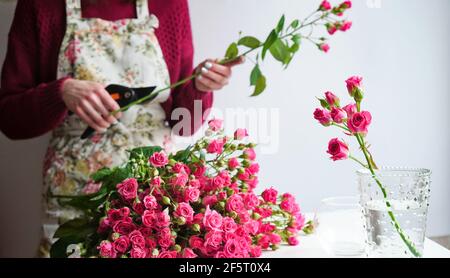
[124,52]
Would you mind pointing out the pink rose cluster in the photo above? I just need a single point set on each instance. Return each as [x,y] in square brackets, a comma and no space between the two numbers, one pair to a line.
[200,206]
[336,24]
[349,118]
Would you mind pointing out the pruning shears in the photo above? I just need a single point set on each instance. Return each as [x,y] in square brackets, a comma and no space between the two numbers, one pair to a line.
[123,96]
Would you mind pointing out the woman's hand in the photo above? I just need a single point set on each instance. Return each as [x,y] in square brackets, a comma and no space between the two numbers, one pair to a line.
[214,76]
[91,102]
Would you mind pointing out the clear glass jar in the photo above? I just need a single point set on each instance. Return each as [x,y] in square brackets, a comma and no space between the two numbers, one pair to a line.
[395,222]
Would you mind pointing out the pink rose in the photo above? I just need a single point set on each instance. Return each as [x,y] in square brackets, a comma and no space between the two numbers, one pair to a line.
[138,207]
[191,194]
[228,225]
[104,226]
[270,195]
[240,134]
[234,203]
[264,241]
[128,189]
[253,169]
[188,253]
[162,220]
[250,154]
[255,251]
[181,167]
[217,182]
[123,227]
[332,99]
[275,239]
[338,149]
[323,116]
[165,242]
[252,183]
[222,195]
[331,28]
[180,179]
[251,201]
[215,124]
[212,220]
[121,244]
[107,250]
[252,226]
[213,240]
[293,241]
[196,242]
[325,6]
[231,248]
[325,47]
[91,188]
[150,202]
[287,205]
[168,255]
[220,255]
[233,163]
[148,218]
[209,200]
[346,25]
[156,181]
[216,146]
[115,215]
[338,115]
[353,84]
[184,210]
[359,122]
[350,109]
[137,239]
[159,159]
[346,5]
[138,252]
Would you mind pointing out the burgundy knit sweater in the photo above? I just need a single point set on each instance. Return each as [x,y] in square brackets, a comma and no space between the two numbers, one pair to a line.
[30,95]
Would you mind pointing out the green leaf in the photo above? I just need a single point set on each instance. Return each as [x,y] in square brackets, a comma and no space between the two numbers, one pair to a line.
[324,103]
[273,36]
[296,39]
[144,151]
[280,24]
[280,51]
[255,74]
[232,51]
[80,227]
[101,174]
[260,86]
[250,42]
[294,48]
[183,155]
[295,24]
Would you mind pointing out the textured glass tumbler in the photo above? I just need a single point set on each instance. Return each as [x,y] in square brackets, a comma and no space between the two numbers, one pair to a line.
[340,227]
[408,192]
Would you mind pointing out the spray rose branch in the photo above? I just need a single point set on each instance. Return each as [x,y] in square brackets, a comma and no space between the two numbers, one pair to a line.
[355,122]
[282,43]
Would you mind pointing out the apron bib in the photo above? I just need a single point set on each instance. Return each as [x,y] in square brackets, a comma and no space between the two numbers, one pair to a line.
[124,52]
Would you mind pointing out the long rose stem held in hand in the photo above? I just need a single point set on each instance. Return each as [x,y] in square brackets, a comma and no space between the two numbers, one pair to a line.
[224,61]
[400,231]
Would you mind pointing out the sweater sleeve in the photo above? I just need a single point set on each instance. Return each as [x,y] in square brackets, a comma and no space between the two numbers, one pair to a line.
[187,96]
[28,106]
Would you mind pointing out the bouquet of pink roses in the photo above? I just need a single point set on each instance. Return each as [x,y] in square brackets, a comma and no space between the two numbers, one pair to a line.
[199,202]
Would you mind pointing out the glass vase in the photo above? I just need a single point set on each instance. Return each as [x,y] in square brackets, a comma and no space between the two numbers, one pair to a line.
[395,205]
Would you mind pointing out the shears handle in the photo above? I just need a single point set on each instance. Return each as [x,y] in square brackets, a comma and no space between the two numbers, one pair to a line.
[122,95]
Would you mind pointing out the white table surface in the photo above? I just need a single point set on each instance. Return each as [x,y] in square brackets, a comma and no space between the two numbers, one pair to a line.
[310,246]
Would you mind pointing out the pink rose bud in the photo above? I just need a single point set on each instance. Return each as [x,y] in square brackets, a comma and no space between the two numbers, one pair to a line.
[159,159]
[338,149]
[240,134]
[346,5]
[128,188]
[346,25]
[233,163]
[323,116]
[332,99]
[331,28]
[359,122]
[215,124]
[354,85]
[270,195]
[350,109]
[338,115]
[293,241]
[324,47]
[325,6]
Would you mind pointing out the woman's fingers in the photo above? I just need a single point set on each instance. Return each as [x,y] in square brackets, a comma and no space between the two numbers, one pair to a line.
[80,113]
[206,84]
[94,115]
[216,74]
[108,101]
[240,60]
[97,104]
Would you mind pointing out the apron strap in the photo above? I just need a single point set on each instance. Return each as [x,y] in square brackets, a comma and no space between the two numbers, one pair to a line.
[142,9]
[73,10]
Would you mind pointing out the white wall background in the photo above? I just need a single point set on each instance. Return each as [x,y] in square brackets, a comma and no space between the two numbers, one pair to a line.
[401,47]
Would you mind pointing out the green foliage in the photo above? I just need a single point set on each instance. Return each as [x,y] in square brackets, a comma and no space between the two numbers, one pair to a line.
[250,42]
[232,51]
